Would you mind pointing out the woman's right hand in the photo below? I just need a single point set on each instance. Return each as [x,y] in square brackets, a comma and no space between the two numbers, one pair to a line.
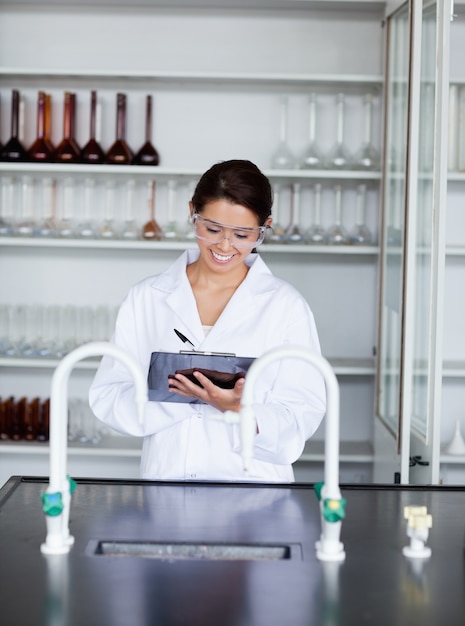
[208,392]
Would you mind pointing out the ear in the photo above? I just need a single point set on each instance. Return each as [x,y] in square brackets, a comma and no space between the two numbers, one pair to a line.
[191,209]
[268,222]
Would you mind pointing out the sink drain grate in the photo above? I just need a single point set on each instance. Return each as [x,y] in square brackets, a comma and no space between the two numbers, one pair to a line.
[206,551]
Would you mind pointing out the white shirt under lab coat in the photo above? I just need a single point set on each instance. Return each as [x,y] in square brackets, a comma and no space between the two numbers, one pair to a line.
[180,441]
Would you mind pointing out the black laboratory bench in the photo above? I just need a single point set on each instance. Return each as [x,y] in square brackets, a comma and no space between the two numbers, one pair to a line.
[228,554]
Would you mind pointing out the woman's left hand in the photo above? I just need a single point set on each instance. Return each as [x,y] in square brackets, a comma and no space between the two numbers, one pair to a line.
[221,399]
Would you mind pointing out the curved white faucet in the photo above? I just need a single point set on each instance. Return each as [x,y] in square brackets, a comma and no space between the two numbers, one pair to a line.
[329,548]
[58,495]
[58,540]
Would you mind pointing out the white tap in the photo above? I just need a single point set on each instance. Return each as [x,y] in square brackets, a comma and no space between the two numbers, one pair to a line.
[58,495]
[329,548]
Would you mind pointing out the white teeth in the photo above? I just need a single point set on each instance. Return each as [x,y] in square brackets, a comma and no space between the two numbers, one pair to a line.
[220,257]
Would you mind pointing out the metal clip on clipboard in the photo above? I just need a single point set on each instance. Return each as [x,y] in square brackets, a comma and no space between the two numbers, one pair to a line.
[207,353]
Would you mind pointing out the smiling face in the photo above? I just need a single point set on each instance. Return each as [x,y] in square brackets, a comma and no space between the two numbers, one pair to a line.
[224,256]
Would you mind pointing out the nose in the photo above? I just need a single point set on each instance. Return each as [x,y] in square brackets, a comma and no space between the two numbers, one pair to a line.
[225,243]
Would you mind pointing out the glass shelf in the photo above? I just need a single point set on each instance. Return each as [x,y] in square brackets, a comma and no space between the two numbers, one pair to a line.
[333,81]
[177,173]
[350,451]
[341,366]
[453,369]
[150,246]
[110,446]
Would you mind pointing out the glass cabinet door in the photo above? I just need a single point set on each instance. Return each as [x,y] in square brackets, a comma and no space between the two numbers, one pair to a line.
[412,249]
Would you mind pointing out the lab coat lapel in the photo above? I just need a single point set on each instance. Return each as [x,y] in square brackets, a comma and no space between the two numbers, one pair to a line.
[245,301]
[180,298]
[185,315]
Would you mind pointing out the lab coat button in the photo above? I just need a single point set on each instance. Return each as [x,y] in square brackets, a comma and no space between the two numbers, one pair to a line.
[193,475]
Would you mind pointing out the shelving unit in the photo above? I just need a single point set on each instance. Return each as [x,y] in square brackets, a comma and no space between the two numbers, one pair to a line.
[207,107]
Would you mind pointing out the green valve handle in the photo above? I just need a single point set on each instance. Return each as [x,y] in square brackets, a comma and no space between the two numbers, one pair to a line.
[317,488]
[72,485]
[334,510]
[52,503]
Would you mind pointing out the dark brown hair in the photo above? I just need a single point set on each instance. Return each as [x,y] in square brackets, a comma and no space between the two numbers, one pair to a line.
[238,181]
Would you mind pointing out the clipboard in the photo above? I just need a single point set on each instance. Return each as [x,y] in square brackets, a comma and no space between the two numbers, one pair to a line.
[163,364]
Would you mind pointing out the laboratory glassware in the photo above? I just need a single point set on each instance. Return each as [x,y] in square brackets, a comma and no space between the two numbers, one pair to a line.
[187,232]
[68,150]
[24,226]
[5,329]
[47,225]
[275,234]
[6,207]
[48,342]
[87,228]
[41,150]
[171,230]
[48,123]
[14,150]
[120,153]
[151,229]
[337,234]
[283,158]
[294,234]
[130,229]
[147,155]
[312,157]
[360,234]
[339,156]
[367,158]
[108,229]
[66,226]
[316,234]
[93,152]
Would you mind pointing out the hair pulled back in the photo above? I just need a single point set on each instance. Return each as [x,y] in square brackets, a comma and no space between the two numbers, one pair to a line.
[237,181]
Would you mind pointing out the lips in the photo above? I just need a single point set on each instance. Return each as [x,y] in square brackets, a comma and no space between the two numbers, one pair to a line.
[221,258]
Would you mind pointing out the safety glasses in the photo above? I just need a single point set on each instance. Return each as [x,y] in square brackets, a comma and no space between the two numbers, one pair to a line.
[214,232]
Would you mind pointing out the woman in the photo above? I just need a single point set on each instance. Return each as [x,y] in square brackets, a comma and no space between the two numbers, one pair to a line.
[222,298]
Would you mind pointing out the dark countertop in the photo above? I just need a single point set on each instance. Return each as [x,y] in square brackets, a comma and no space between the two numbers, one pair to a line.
[375,585]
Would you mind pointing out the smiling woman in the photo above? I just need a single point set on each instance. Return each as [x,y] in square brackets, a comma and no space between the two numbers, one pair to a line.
[224,299]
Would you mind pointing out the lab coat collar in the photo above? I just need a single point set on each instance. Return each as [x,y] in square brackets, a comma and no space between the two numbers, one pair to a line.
[180,299]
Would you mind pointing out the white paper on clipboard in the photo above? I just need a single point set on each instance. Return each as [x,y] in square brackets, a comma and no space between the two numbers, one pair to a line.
[162,364]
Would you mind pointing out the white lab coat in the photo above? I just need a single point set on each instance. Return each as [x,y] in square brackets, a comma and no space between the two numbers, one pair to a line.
[180,441]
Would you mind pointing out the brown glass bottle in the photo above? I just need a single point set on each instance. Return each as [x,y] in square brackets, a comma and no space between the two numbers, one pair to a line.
[147,155]
[120,153]
[29,433]
[17,420]
[68,150]
[41,150]
[14,150]
[92,151]
[3,421]
[43,425]
[9,410]
[48,122]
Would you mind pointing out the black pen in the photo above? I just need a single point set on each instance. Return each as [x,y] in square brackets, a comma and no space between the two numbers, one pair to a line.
[183,338]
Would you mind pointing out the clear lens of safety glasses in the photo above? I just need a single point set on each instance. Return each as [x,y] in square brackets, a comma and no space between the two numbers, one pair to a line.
[213,232]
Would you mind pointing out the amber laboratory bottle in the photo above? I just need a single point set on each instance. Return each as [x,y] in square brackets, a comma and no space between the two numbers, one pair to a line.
[92,151]
[120,153]
[41,150]
[48,122]
[147,155]
[68,150]
[14,150]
